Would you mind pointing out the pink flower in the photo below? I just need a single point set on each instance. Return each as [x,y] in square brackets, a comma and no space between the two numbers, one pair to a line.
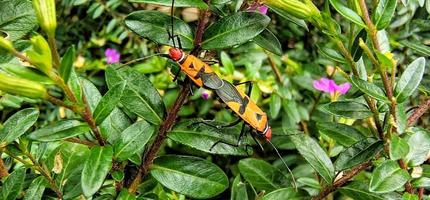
[329,86]
[206,94]
[112,56]
[260,8]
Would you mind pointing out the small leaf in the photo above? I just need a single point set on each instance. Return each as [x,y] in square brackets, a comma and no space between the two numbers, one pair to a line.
[59,130]
[358,153]
[359,191]
[331,54]
[285,193]
[27,73]
[356,50]
[410,79]
[420,48]
[347,13]
[388,177]
[370,89]
[267,40]
[17,18]
[261,174]
[96,168]
[349,109]
[125,195]
[315,155]
[12,186]
[238,189]
[154,25]
[72,154]
[384,12]
[178,3]
[419,147]
[133,139]
[36,189]
[224,32]
[409,196]
[423,182]
[401,117]
[18,124]
[275,105]
[399,148]
[341,133]
[108,102]
[67,64]
[191,176]
[227,63]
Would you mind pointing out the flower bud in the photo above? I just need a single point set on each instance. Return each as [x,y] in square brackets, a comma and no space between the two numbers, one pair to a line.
[40,55]
[45,12]
[292,7]
[6,44]
[23,87]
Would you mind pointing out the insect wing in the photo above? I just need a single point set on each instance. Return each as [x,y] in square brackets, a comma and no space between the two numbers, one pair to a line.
[212,81]
[228,93]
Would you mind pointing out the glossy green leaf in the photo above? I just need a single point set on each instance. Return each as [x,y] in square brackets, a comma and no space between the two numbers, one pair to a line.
[227,63]
[191,176]
[261,174]
[409,196]
[314,155]
[17,124]
[12,186]
[26,73]
[401,117]
[60,130]
[347,13]
[358,153]
[66,65]
[75,84]
[341,133]
[399,148]
[417,46]
[349,109]
[422,182]
[225,32]
[133,140]
[267,40]
[139,96]
[419,147]
[331,54]
[238,189]
[96,168]
[203,137]
[108,102]
[17,18]
[36,189]
[287,16]
[384,12]
[410,79]
[356,50]
[275,105]
[359,191]
[125,195]
[285,193]
[388,177]
[369,88]
[178,3]
[72,155]
[154,25]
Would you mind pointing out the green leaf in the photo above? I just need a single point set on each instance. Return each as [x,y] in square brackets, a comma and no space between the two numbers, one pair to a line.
[224,32]
[419,147]
[238,189]
[341,133]
[275,105]
[60,130]
[331,54]
[370,89]
[12,186]
[17,124]
[203,137]
[36,189]
[133,140]
[356,50]
[359,191]
[358,153]
[409,196]
[191,176]
[27,73]
[388,177]
[17,18]
[96,168]
[420,48]
[154,25]
[399,148]
[108,102]
[125,195]
[410,79]
[66,65]
[401,117]
[267,40]
[227,63]
[261,174]
[349,109]
[285,15]
[72,155]
[347,13]
[315,155]
[423,182]
[178,3]
[139,96]
[285,193]
[384,12]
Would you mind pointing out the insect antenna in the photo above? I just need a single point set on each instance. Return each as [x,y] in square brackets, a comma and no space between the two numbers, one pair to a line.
[171,23]
[289,170]
[143,58]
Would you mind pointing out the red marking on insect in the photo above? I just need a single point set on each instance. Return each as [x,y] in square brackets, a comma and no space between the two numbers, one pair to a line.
[175,54]
[268,134]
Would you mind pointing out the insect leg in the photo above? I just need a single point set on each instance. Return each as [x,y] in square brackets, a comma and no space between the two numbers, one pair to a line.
[249,89]
[256,141]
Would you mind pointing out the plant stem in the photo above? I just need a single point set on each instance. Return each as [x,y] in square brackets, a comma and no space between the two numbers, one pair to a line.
[3,170]
[88,117]
[419,112]
[273,66]
[54,52]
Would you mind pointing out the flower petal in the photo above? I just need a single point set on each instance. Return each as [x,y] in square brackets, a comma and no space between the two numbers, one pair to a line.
[343,88]
[322,84]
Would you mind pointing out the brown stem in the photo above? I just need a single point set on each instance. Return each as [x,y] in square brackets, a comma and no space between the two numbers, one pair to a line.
[419,112]
[342,181]
[172,114]
[79,141]
[3,170]
[88,117]
[274,68]
[420,193]
[54,51]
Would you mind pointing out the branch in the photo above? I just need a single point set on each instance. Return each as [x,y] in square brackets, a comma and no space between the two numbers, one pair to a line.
[419,112]
[342,181]
[88,117]
[3,170]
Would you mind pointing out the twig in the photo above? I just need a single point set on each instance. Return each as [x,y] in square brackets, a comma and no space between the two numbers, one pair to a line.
[274,68]
[79,141]
[3,169]
[342,181]
[419,112]
[54,52]
[420,193]
[88,117]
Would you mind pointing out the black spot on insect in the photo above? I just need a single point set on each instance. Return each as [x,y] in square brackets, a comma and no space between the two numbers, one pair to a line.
[244,104]
[258,116]
[200,73]
[191,66]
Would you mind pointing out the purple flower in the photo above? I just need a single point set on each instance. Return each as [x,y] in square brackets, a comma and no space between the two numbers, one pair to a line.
[112,56]
[206,94]
[260,8]
[329,86]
